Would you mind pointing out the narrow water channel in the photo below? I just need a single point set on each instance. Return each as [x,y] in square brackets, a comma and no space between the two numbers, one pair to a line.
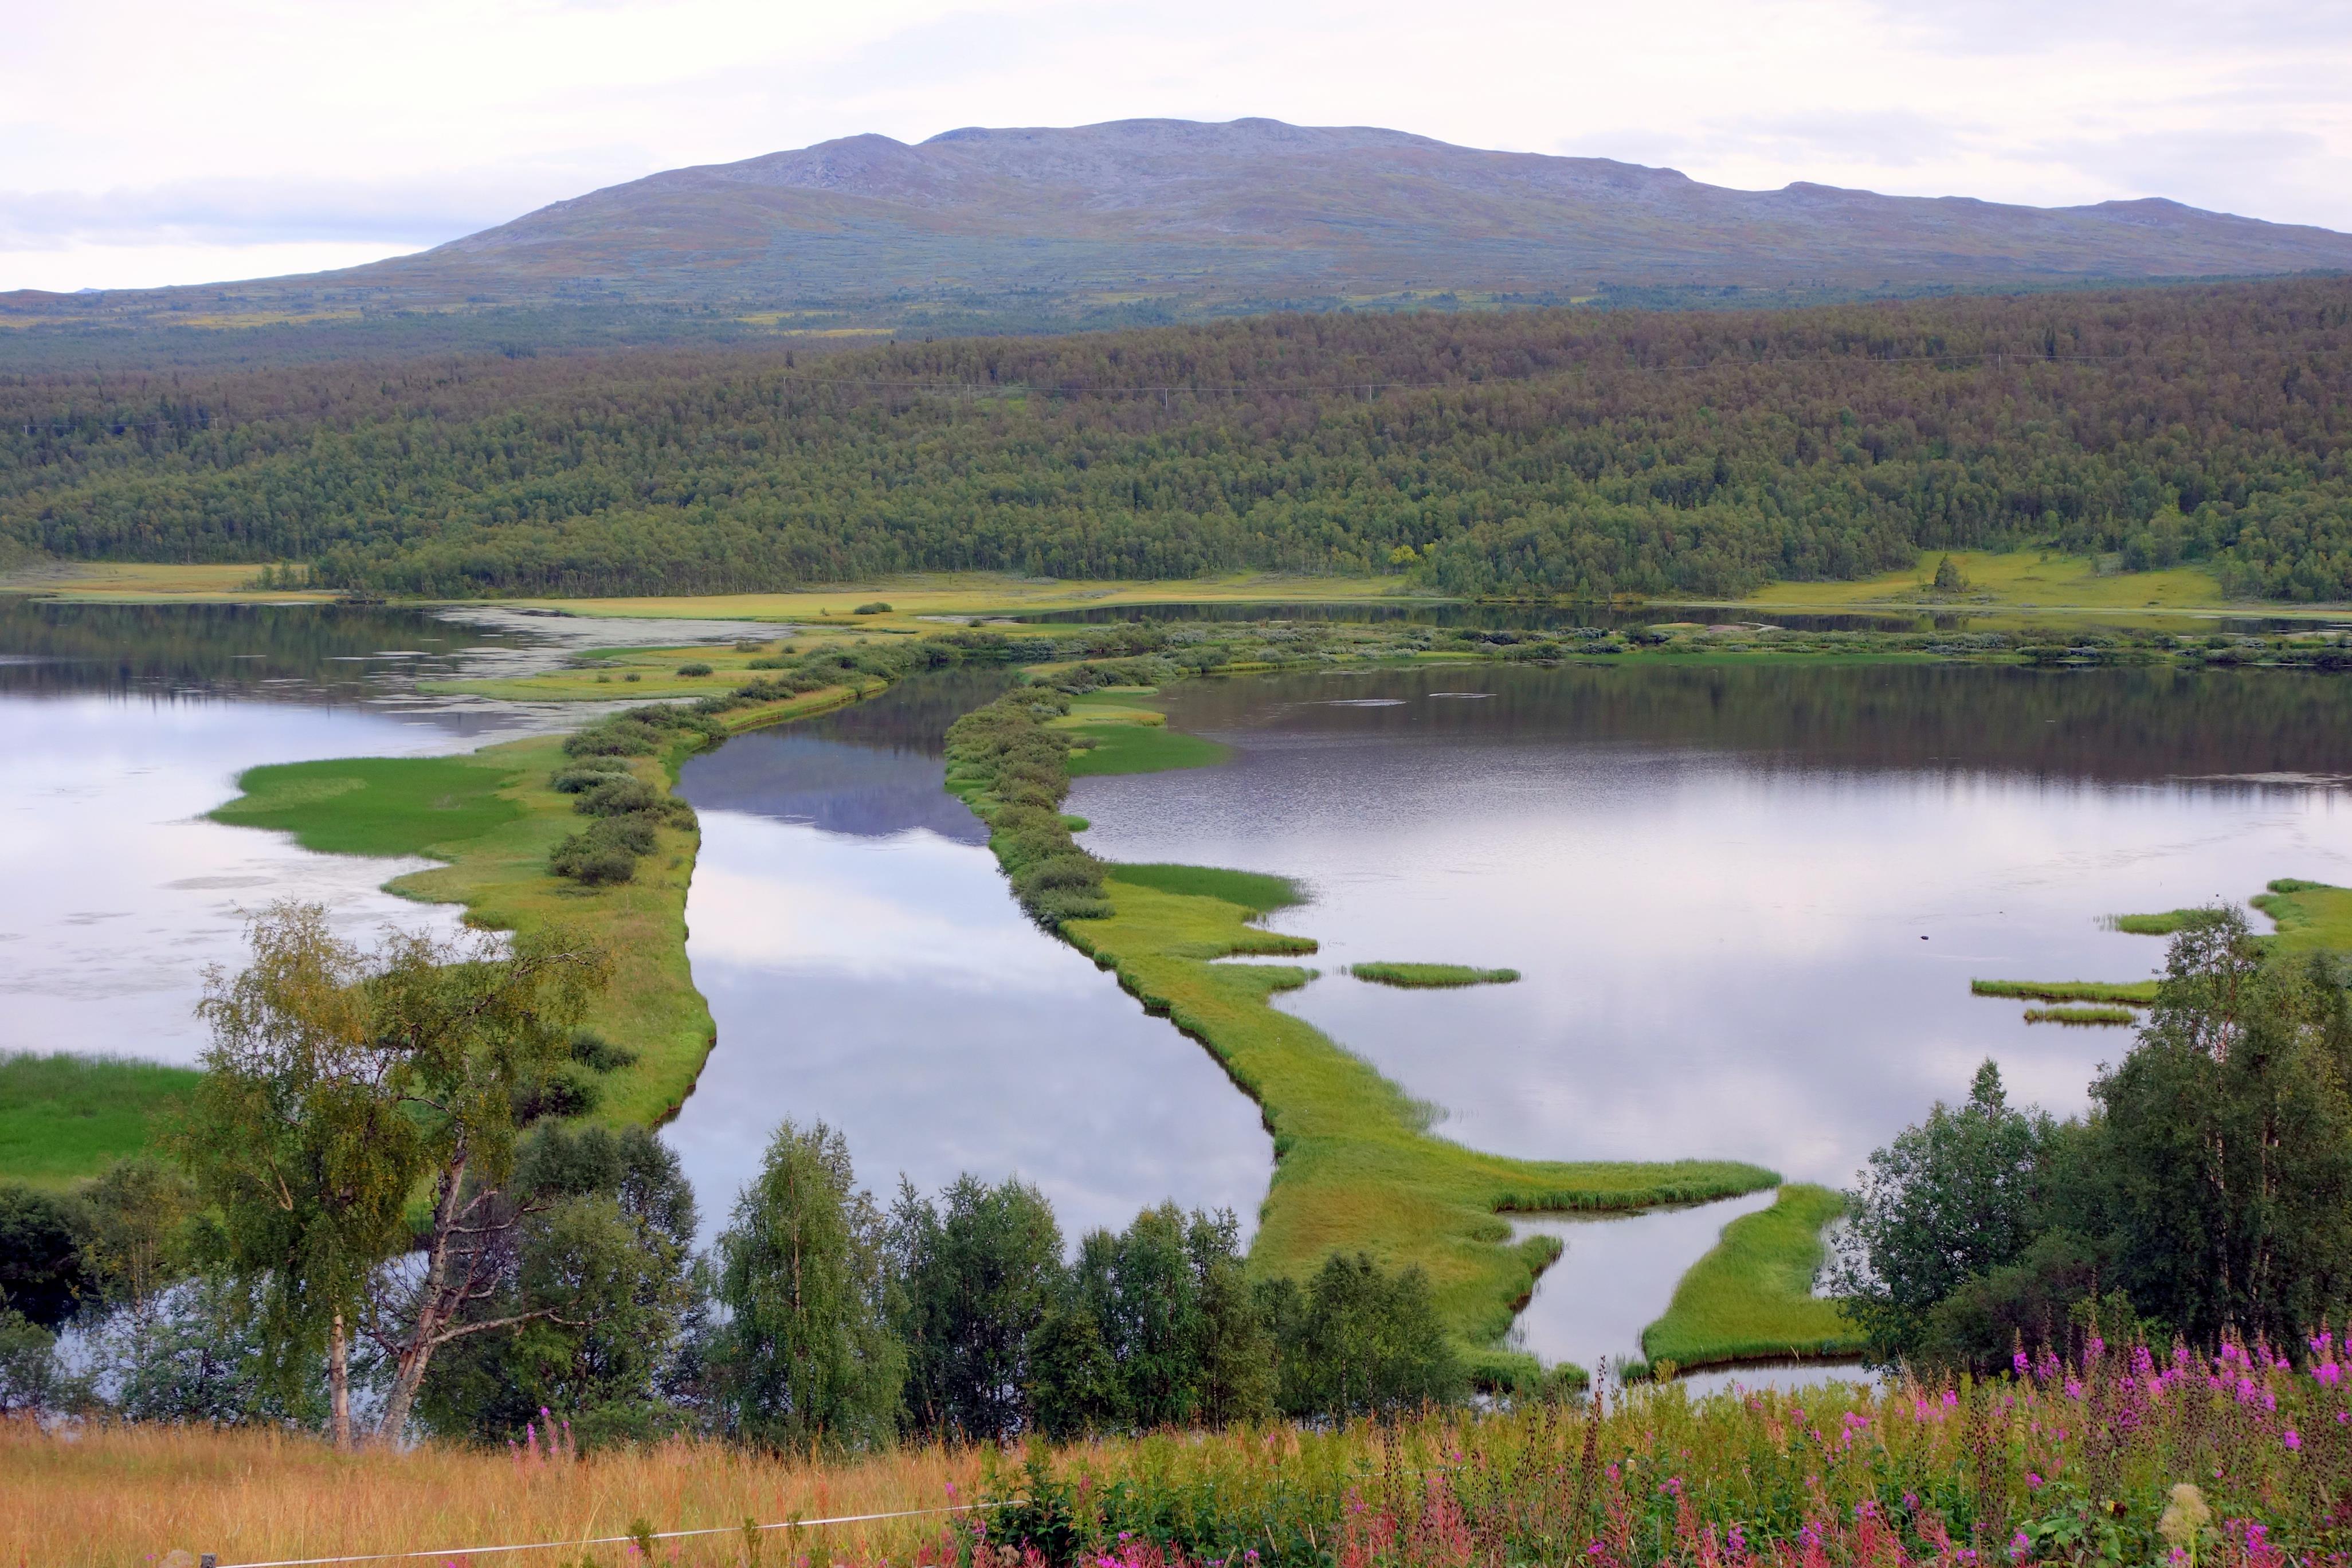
[867,967]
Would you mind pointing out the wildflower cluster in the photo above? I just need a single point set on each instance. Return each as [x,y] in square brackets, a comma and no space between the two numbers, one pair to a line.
[2240,1459]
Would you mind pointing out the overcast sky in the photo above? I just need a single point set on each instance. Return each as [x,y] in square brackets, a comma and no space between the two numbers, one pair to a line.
[144,143]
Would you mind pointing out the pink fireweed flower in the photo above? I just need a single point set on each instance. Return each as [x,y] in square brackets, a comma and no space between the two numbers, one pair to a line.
[2033,1481]
[2292,1439]
[2328,1373]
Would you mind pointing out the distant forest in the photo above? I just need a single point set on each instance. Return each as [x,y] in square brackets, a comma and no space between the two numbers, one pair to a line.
[1554,451]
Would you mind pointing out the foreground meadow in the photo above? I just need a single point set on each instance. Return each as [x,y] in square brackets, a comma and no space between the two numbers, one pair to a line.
[2125,1456]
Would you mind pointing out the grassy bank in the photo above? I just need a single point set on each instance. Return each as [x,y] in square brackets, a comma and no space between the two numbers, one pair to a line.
[2312,917]
[491,817]
[1751,1297]
[1356,1169]
[65,1117]
[1431,976]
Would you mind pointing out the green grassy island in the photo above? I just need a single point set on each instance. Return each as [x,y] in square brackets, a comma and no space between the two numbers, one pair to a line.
[1431,976]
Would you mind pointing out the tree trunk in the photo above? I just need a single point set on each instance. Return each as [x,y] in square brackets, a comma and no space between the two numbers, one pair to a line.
[339,1383]
[432,1310]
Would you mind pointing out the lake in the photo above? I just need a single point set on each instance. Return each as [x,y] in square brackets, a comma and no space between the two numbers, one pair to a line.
[1746,902]
[125,724]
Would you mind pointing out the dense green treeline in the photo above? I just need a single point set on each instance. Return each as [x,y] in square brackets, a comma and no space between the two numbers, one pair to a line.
[1563,451]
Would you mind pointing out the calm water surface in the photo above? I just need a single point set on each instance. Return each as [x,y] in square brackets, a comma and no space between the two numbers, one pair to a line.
[867,967]
[1747,903]
[122,725]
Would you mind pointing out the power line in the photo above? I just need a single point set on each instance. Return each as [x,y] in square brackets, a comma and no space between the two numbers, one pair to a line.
[605,1540]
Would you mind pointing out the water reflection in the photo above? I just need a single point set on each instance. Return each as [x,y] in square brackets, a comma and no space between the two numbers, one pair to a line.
[1747,902]
[119,892]
[1615,1277]
[124,724]
[868,966]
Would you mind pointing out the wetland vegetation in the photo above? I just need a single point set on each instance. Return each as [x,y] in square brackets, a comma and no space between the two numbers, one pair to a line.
[1431,976]
[1356,1169]
[1372,1226]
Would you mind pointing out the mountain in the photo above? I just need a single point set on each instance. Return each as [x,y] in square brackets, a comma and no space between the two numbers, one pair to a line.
[1195,217]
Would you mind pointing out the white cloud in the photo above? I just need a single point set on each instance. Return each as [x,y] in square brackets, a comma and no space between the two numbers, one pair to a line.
[293,121]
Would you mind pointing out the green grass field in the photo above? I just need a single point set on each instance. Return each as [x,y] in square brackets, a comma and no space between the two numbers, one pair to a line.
[1431,976]
[376,805]
[1752,1297]
[65,1117]
[1257,893]
[1141,749]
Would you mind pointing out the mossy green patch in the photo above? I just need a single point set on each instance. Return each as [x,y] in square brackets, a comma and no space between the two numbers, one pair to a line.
[2131,993]
[1751,1297]
[65,1117]
[1253,891]
[375,806]
[1431,976]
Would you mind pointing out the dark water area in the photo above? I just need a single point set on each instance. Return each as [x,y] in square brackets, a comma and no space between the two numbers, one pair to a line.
[300,653]
[1555,617]
[1747,902]
[867,966]
[2115,726]
[122,725]
[1453,616]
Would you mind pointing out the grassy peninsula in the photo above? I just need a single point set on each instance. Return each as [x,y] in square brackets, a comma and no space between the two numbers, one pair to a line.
[493,818]
[1751,1297]
[1356,1169]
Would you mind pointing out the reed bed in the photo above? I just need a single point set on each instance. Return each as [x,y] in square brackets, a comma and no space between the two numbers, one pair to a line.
[2131,994]
[130,1496]
[2080,1016]
[1431,976]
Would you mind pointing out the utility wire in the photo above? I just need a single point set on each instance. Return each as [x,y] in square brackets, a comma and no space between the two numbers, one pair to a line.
[616,1540]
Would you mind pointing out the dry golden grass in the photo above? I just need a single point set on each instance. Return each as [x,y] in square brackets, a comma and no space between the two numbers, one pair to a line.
[126,1496]
[137,582]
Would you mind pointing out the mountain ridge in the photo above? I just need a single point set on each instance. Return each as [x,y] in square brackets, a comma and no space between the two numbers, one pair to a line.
[1200,217]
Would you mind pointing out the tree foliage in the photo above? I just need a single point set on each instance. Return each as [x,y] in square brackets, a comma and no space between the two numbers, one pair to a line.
[338,1083]
[2207,1192]
[807,1357]
[1558,450]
